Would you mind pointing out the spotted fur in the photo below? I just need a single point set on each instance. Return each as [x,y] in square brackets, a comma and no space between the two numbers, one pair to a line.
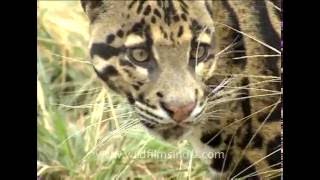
[148,51]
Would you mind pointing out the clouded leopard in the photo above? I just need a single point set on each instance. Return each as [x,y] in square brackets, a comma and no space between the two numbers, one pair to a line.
[207,71]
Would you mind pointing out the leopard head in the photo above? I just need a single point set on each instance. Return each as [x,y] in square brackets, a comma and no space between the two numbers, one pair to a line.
[157,54]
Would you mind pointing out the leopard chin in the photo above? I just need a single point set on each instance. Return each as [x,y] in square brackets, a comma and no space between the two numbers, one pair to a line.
[172,133]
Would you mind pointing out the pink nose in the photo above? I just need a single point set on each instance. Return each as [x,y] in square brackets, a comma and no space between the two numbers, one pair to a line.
[178,112]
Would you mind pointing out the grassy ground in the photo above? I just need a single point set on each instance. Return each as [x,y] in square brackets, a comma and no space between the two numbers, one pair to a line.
[85,131]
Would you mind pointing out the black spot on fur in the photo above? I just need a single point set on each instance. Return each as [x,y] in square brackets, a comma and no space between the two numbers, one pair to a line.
[120,33]
[185,10]
[246,107]
[163,32]
[159,3]
[210,56]
[208,139]
[140,6]
[153,19]
[141,97]
[142,21]
[228,139]
[157,13]
[128,73]
[182,3]
[239,52]
[136,87]
[240,47]
[274,145]
[180,32]
[92,8]
[274,116]
[159,94]
[138,27]
[195,25]
[147,10]
[130,98]
[217,163]
[161,29]
[91,4]
[109,71]
[270,35]
[110,38]
[184,17]
[176,18]
[171,36]
[170,11]
[165,35]
[243,164]
[247,130]
[208,31]
[201,103]
[105,75]
[257,141]
[104,51]
[132,3]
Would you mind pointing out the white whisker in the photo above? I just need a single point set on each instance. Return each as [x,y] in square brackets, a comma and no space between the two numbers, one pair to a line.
[243,119]
[243,87]
[251,37]
[262,170]
[223,164]
[246,97]
[257,131]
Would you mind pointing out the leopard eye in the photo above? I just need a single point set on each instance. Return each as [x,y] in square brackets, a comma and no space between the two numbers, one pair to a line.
[139,54]
[199,53]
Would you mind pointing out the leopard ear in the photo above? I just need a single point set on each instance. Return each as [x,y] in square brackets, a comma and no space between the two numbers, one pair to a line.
[92,8]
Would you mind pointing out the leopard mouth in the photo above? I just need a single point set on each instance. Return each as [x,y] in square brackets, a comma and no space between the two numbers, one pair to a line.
[170,130]
[162,127]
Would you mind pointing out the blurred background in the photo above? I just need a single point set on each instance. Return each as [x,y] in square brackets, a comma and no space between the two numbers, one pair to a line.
[84,130]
